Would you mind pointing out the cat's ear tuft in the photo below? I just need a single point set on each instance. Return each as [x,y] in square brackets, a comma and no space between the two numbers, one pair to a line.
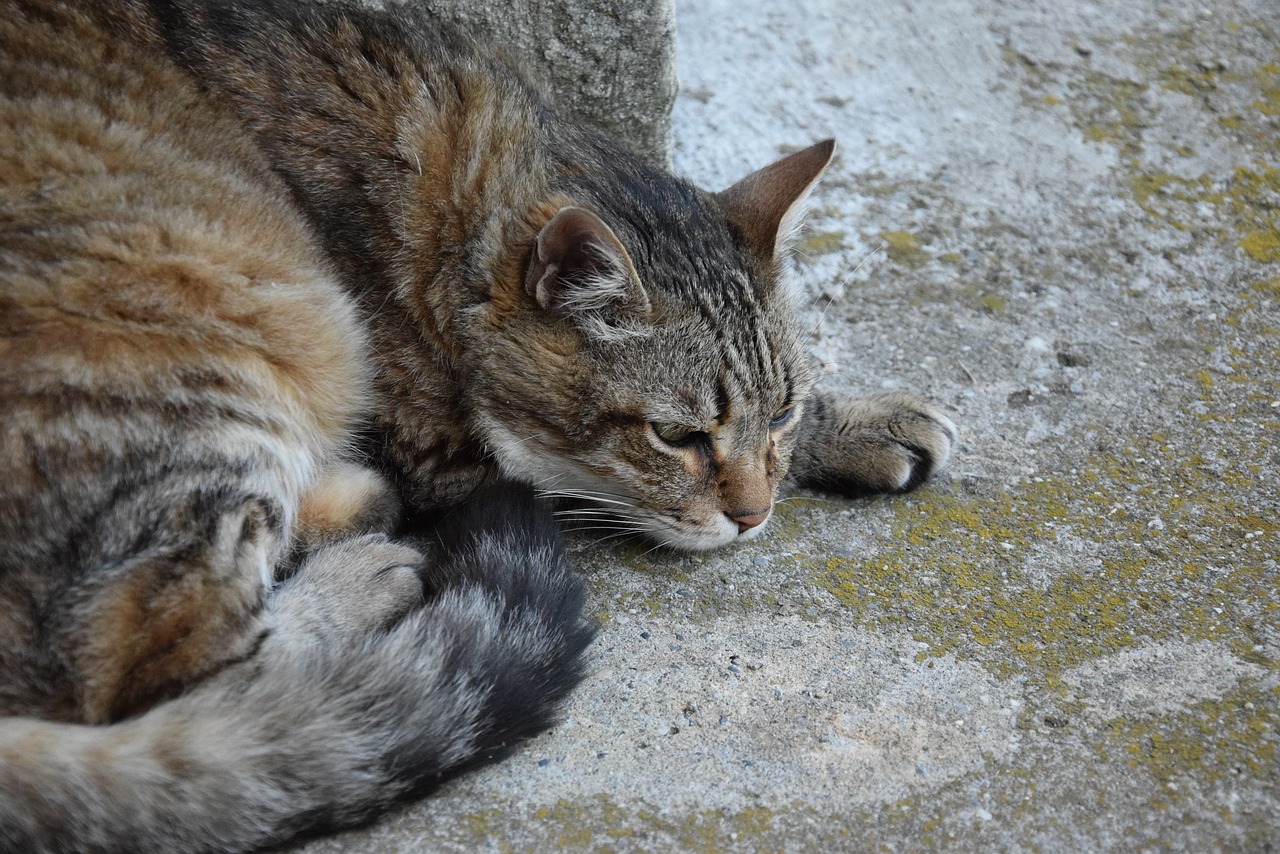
[768,205]
[579,269]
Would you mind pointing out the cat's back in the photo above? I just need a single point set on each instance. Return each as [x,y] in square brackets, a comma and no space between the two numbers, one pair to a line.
[103,134]
[156,283]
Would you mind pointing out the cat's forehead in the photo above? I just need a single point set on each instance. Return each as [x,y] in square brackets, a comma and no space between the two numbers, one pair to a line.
[721,326]
[702,360]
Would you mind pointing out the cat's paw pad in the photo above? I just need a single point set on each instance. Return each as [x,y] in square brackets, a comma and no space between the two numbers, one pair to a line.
[351,587]
[888,443]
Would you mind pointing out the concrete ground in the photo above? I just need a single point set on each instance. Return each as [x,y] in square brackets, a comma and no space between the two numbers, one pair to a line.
[1061,220]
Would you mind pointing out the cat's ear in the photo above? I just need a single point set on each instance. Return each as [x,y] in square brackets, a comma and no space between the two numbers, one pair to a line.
[580,269]
[768,205]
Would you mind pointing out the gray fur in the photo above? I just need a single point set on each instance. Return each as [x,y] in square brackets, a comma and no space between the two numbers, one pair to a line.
[359,694]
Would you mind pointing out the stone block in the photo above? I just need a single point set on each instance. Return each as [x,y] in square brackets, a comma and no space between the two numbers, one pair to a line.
[610,63]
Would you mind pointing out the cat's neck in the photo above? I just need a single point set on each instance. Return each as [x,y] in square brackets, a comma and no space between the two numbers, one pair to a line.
[414,164]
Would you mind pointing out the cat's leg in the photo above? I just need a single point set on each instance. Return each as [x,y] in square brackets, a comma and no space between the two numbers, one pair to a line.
[346,500]
[191,600]
[181,602]
[886,443]
[343,590]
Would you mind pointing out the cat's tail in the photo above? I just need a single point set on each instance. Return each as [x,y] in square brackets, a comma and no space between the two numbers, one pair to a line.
[322,728]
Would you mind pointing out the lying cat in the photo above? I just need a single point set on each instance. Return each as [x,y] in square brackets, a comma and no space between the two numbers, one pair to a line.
[273,272]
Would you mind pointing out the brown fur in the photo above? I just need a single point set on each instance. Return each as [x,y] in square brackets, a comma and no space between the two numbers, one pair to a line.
[250,249]
[143,317]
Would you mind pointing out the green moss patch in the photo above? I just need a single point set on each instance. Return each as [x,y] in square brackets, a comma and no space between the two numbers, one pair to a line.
[1239,101]
[603,824]
[904,248]
[1214,741]
[1131,547]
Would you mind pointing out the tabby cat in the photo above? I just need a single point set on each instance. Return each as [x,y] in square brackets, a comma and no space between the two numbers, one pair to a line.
[274,273]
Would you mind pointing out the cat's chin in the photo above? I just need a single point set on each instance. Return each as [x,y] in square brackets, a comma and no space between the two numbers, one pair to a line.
[715,534]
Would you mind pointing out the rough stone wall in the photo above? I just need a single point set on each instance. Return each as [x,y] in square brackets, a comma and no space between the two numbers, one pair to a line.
[610,63]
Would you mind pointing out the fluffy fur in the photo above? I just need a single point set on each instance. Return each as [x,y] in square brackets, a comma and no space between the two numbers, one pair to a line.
[273,272]
[358,694]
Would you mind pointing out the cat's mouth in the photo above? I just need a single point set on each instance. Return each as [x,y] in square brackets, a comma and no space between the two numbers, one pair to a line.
[609,515]
[712,532]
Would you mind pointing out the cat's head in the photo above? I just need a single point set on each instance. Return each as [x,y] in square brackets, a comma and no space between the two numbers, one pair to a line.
[647,359]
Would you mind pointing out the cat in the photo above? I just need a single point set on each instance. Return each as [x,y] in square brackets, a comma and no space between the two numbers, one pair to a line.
[279,281]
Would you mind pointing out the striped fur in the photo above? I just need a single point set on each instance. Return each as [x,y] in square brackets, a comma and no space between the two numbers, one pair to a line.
[273,272]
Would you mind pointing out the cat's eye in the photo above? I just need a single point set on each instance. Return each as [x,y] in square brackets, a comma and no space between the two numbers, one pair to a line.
[781,417]
[676,435]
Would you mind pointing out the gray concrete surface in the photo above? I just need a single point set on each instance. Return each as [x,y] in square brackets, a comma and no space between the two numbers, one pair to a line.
[1062,221]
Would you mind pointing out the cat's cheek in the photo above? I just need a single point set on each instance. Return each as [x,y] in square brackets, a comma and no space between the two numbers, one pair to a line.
[714,530]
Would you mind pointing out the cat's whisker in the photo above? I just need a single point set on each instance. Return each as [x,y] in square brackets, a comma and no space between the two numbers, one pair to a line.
[583,512]
[652,549]
[605,508]
[609,501]
[844,282]
[623,537]
[583,495]
[603,517]
[582,491]
[865,258]
[813,336]
[545,486]
[616,533]
[607,525]
[799,499]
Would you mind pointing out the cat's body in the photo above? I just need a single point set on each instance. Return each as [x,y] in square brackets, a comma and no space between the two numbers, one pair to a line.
[246,246]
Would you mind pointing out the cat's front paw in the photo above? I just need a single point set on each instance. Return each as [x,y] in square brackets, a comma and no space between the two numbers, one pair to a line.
[348,588]
[887,443]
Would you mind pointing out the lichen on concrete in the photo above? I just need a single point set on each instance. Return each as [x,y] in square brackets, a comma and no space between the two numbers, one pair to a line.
[1059,222]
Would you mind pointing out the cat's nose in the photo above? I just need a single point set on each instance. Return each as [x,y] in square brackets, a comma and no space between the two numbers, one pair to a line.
[747,521]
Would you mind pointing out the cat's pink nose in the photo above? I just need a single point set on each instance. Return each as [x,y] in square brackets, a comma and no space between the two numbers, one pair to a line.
[750,520]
